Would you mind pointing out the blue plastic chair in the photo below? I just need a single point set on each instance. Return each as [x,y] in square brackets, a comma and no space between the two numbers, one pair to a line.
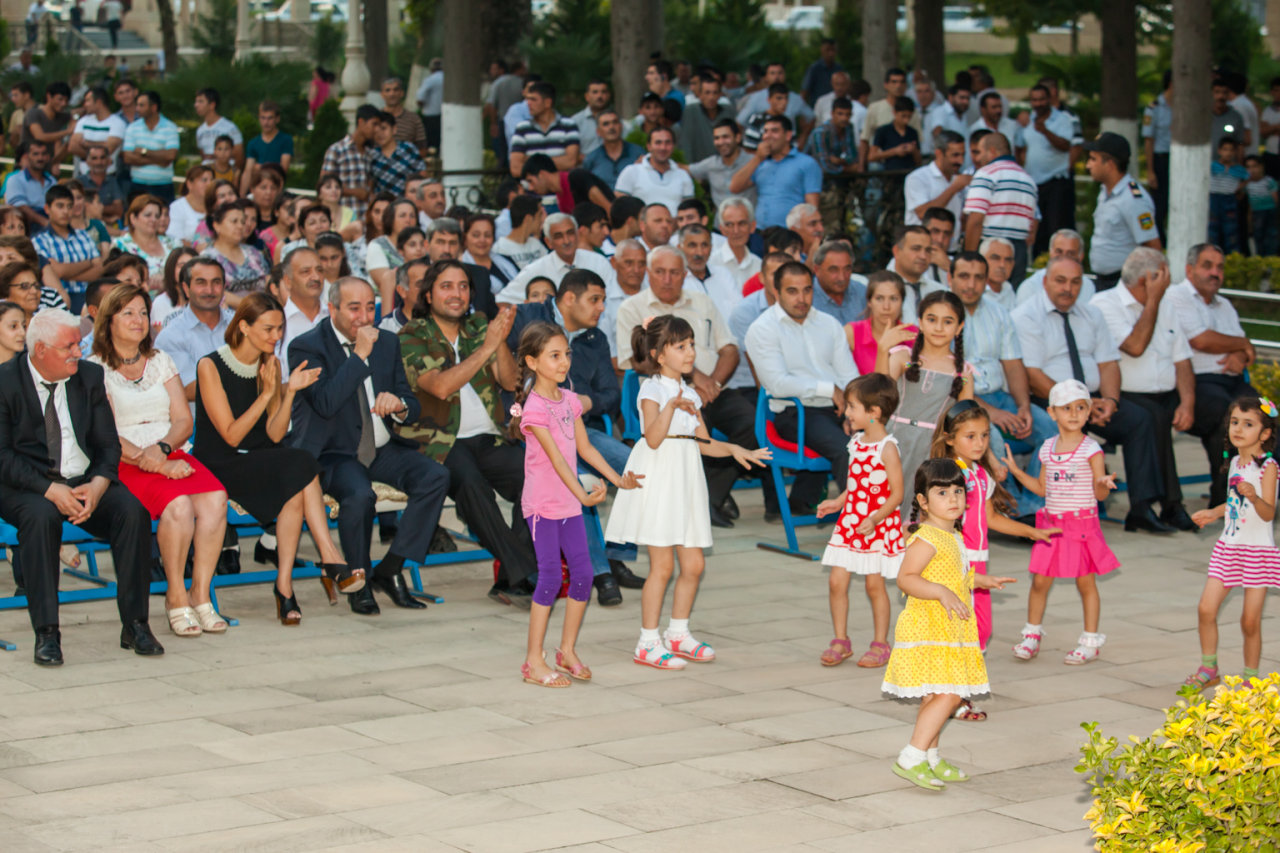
[790,455]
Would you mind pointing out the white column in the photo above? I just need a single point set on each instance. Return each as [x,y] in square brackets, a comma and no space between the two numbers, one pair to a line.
[242,29]
[1188,201]
[355,74]
[1128,128]
[461,121]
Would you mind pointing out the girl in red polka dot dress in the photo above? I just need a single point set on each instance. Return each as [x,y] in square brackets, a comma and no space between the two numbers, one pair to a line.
[868,537]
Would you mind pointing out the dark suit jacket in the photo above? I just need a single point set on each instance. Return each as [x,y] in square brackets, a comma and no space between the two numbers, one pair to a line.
[24,454]
[481,291]
[326,416]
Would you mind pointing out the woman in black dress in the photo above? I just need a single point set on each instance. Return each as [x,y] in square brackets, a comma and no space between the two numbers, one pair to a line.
[242,414]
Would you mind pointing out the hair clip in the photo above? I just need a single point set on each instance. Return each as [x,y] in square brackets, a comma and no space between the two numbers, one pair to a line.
[961,463]
[1268,408]
[516,410]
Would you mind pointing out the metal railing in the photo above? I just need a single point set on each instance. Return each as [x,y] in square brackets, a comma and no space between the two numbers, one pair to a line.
[1257,296]
[865,209]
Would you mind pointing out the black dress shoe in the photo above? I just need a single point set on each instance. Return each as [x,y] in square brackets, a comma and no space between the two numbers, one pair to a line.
[1176,516]
[138,636]
[398,591]
[228,562]
[48,651]
[499,595]
[719,519]
[626,578]
[363,602]
[730,508]
[607,592]
[1142,518]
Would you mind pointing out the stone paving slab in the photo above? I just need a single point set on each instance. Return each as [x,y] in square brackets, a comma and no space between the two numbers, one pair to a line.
[413,732]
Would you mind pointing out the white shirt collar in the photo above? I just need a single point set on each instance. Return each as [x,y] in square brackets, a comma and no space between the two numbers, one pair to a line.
[38,379]
[343,340]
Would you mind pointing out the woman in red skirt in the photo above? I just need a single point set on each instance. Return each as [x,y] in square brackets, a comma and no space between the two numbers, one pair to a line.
[153,419]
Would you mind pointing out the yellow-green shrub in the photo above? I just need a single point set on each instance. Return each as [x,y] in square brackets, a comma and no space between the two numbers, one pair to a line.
[1265,376]
[1207,780]
[1241,273]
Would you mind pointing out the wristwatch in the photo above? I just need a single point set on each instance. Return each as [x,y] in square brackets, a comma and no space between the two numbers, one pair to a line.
[165,447]
[144,152]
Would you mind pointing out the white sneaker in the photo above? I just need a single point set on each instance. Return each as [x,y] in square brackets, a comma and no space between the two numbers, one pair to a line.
[685,646]
[1029,646]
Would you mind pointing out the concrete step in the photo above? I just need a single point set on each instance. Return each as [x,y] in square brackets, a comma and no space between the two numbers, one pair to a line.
[128,39]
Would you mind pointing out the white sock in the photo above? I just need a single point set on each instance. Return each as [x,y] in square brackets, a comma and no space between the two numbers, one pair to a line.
[268,541]
[678,627]
[932,755]
[1031,629]
[910,757]
[649,637]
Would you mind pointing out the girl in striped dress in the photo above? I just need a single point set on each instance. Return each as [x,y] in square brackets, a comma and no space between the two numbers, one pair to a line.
[1245,555]
[1072,481]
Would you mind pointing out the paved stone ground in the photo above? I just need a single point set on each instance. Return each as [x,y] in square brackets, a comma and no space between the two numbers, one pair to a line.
[412,731]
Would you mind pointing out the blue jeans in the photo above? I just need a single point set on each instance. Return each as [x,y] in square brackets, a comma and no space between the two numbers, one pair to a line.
[615,453]
[1042,428]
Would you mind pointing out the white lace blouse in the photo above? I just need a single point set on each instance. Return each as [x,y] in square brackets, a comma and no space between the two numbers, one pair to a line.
[141,408]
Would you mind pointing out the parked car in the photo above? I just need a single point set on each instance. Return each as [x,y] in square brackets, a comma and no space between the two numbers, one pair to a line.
[802,18]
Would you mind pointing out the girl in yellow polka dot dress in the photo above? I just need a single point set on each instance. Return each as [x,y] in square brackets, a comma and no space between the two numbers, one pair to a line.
[936,657]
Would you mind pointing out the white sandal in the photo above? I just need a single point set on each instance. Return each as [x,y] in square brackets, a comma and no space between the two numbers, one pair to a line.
[1029,646]
[210,621]
[182,621]
[1089,649]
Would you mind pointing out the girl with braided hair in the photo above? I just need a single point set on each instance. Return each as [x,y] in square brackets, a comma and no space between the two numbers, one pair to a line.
[932,376]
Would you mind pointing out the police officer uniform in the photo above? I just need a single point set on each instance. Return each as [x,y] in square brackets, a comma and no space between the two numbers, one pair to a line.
[1157,125]
[1124,219]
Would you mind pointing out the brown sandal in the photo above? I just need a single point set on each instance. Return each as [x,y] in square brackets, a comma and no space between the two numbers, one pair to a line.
[838,652]
[877,655]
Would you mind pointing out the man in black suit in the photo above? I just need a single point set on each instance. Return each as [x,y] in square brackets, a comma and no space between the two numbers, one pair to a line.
[346,420]
[444,242]
[59,455]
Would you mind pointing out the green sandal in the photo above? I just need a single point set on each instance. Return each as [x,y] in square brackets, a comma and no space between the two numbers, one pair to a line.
[921,776]
[948,772]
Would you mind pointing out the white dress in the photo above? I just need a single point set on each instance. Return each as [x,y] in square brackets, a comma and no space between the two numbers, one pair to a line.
[671,507]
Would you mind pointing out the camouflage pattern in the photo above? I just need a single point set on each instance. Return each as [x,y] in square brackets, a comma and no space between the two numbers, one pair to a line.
[424,349]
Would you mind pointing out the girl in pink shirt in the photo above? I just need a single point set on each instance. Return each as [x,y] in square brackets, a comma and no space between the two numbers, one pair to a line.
[549,418]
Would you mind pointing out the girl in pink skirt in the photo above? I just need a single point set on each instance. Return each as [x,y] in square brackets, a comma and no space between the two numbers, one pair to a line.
[1245,555]
[1072,481]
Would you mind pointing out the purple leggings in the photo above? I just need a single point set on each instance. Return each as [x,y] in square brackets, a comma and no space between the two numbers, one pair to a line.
[551,537]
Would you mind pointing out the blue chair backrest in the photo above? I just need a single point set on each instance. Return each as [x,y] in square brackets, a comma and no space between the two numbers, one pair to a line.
[631,430]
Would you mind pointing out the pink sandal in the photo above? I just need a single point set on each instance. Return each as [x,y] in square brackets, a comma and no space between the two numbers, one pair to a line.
[551,679]
[837,652]
[877,655]
[579,670]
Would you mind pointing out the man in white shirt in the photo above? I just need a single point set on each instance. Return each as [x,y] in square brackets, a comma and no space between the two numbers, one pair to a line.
[1220,354]
[521,244]
[841,87]
[98,124]
[656,178]
[797,351]
[991,117]
[305,306]
[1049,140]
[949,116]
[911,260]
[702,277]
[928,102]
[998,253]
[430,97]
[1155,363]
[736,219]
[716,359]
[939,184]
[597,100]
[410,278]
[561,233]
[212,125]
[656,226]
[1065,243]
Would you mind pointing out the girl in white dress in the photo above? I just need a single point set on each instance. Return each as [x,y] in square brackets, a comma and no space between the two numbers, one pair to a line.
[670,514]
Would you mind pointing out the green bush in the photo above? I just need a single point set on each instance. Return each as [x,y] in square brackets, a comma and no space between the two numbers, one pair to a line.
[1207,780]
[242,86]
[330,126]
[215,29]
[328,42]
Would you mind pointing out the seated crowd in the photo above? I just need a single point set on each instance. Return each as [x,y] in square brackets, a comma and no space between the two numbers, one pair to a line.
[173,357]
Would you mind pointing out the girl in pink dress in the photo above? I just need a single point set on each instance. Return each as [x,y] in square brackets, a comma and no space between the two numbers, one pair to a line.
[1072,482]
[868,537]
[965,436]
[550,419]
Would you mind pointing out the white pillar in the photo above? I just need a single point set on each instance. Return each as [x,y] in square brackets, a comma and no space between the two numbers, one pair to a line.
[1188,201]
[1128,128]
[461,121]
[355,74]
[242,29]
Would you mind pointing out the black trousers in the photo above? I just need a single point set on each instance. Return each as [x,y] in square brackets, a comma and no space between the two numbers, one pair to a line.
[1106,280]
[424,481]
[477,468]
[1160,195]
[734,414]
[431,124]
[1057,210]
[1020,261]
[824,432]
[1131,428]
[1214,394]
[119,518]
[1160,407]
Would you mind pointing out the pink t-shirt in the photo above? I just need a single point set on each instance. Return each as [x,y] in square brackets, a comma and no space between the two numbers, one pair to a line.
[1068,480]
[545,494]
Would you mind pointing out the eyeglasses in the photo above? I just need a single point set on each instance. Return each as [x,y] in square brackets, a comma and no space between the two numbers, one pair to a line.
[24,285]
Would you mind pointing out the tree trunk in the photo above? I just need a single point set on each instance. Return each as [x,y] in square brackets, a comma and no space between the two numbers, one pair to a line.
[629,31]
[461,122]
[654,26]
[1075,37]
[879,41]
[931,41]
[375,41]
[1189,154]
[1120,82]
[168,35]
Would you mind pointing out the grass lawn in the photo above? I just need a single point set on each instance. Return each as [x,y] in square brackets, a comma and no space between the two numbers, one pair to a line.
[1000,64]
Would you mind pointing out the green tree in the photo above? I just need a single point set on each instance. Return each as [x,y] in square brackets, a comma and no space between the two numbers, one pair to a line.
[570,46]
[328,42]
[330,126]
[215,29]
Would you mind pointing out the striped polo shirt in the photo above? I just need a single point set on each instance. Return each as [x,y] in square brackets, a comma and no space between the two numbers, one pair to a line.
[1006,196]
[529,137]
[164,137]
